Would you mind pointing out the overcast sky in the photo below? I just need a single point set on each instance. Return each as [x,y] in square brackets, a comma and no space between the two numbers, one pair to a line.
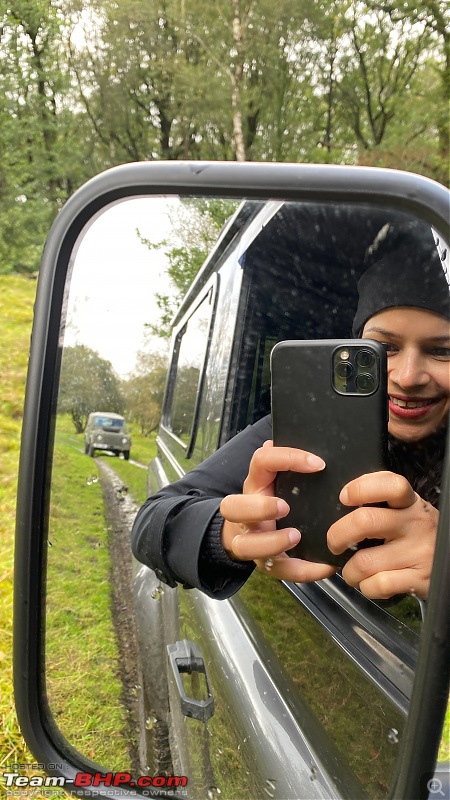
[115,278]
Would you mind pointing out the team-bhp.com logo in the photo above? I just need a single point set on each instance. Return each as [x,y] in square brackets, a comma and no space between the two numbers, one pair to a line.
[13,780]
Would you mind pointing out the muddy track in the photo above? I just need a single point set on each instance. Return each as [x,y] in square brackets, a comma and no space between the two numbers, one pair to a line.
[120,511]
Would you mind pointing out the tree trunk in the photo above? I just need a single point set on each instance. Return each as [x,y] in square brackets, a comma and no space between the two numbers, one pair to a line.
[236,86]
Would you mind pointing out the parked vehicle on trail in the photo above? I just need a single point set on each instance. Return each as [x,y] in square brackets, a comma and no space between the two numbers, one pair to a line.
[106,431]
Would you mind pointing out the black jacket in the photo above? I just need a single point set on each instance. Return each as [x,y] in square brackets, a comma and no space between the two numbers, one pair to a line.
[177,532]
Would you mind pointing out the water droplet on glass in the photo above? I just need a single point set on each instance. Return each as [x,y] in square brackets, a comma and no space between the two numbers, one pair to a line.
[89,481]
[50,544]
[314,773]
[213,792]
[157,593]
[393,736]
[270,787]
[94,479]
[150,722]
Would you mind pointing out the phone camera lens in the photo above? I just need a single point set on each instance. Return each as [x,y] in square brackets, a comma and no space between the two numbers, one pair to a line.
[365,383]
[343,370]
[365,358]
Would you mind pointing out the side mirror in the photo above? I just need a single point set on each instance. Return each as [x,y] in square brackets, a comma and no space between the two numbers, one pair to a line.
[370,191]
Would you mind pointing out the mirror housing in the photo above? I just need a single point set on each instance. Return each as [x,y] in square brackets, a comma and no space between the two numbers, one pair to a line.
[378,187]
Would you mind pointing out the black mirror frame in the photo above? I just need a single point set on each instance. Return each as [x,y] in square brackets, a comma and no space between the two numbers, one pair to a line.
[318,183]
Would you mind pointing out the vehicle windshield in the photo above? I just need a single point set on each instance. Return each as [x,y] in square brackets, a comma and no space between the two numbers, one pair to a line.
[109,422]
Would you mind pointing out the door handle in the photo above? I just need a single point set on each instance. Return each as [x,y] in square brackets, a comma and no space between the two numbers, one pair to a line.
[186,657]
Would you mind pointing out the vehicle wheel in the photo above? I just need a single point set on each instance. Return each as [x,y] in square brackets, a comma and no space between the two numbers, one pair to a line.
[126,454]
[91,451]
[117,453]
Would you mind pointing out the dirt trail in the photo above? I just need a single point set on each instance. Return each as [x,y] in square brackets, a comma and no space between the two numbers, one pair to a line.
[120,511]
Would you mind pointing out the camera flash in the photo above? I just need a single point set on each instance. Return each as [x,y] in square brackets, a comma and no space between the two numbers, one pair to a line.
[345,355]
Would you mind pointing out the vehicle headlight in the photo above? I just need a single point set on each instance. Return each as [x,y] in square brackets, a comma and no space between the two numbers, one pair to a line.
[124,440]
[99,437]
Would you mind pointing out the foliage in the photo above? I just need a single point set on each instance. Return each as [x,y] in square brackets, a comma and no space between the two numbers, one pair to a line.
[88,383]
[84,86]
[197,226]
[143,392]
[16,310]
[42,140]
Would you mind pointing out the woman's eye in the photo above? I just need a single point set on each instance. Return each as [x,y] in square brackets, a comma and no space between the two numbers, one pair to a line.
[391,349]
[441,352]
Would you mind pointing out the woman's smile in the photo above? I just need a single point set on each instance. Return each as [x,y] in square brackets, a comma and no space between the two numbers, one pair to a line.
[417,343]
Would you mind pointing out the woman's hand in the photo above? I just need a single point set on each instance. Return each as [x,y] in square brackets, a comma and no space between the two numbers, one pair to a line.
[408,527]
[249,532]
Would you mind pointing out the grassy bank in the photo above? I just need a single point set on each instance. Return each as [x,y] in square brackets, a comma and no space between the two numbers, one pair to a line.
[81,647]
[16,310]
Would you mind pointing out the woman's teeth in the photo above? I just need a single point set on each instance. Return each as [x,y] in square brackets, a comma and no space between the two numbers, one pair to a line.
[410,403]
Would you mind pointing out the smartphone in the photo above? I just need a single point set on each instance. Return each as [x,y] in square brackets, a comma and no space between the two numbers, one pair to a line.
[328,397]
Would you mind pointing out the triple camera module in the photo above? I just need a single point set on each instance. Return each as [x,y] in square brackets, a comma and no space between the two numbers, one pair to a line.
[355,370]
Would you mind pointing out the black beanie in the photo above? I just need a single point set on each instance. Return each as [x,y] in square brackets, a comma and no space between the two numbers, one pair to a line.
[404,268]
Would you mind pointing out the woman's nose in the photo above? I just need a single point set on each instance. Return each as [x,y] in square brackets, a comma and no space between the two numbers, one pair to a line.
[409,369]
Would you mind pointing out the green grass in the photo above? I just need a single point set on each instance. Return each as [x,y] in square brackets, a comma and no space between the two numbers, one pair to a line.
[143,448]
[135,478]
[16,310]
[81,646]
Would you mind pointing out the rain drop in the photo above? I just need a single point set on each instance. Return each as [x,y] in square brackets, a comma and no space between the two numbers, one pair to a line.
[270,787]
[157,593]
[314,773]
[393,736]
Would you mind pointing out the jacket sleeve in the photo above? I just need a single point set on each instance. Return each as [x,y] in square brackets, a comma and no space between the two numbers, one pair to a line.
[177,532]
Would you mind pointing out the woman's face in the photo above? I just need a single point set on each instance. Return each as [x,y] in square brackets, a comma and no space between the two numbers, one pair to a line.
[418,363]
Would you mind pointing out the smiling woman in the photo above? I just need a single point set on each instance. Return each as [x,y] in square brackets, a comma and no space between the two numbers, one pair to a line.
[418,349]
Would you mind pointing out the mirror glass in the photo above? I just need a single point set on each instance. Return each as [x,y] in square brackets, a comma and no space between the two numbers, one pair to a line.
[297,275]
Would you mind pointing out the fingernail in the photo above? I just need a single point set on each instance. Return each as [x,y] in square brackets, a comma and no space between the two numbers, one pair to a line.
[315,461]
[294,536]
[343,497]
[282,507]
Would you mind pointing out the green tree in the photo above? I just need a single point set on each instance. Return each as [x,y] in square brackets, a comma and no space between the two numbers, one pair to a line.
[433,94]
[195,230]
[144,391]
[41,138]
[87,383]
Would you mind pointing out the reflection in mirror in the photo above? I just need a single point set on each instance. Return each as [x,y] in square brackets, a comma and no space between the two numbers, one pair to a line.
[296,278]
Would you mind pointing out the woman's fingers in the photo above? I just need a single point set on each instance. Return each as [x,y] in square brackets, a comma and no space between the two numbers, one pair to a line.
[269,460]
[371,522]
[284,568]
[379,487]
[263,544]
[367,522]
[384,585]
[250,508]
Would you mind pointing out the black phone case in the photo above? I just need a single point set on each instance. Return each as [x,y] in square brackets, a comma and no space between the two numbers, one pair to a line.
[348,431]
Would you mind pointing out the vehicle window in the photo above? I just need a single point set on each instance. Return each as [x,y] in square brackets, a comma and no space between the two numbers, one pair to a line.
[190,347]
[102,422]
[309,292]
[362,722]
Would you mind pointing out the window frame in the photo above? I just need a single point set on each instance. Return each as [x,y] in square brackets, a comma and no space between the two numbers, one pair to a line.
[211,287]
